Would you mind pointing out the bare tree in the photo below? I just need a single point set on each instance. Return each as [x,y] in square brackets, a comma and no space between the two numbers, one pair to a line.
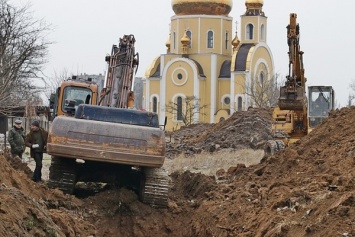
[263,92]
[23,50]
[351,96]
[186,109]
[54,81]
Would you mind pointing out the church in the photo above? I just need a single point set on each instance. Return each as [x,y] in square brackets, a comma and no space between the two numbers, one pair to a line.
[208,72]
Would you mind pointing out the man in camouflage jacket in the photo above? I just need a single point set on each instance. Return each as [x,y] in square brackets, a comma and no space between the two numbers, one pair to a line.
[16,138]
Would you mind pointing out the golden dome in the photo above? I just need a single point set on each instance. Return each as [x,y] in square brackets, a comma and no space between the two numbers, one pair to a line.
[235,41]
[202,7]
[185,40]
[167,43]
[254,3]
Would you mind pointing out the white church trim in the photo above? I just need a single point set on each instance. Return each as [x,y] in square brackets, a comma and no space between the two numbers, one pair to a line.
[213,86]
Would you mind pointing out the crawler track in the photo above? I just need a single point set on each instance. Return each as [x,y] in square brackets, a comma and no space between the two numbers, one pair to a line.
[62,174]
[155,187]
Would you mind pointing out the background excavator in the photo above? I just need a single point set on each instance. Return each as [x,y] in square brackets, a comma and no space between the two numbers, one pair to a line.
[296,115]
[109,142]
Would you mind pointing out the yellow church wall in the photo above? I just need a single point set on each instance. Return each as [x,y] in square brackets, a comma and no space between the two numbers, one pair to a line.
[154,90]
[262,57]
[239,84]
[223,91]
[199,27]
[204,101]
[183,86]
[256,22]
[221,115]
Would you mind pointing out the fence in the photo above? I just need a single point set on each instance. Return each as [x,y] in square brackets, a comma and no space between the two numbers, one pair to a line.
[7,123]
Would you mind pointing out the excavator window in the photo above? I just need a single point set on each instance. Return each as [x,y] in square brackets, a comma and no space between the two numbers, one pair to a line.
[79,95]
[320,104]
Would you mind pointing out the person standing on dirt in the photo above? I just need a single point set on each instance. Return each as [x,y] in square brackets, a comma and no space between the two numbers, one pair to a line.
[36,139]
[16,139]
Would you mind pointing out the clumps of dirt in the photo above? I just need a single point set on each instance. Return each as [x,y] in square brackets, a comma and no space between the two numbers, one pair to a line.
[244,129]
[306,190]
[31,209]
[118,212]
[188,185]
[17,164]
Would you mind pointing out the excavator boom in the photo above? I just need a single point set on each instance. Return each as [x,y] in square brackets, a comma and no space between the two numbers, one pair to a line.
[292,94]
[119,77]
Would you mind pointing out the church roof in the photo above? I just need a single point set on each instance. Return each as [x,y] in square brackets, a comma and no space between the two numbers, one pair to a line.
[204,7]
[242,56]
[157,72]
[225,71]
[198,65]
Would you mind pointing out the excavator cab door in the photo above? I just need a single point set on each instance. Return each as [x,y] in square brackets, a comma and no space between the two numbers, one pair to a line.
[320,103]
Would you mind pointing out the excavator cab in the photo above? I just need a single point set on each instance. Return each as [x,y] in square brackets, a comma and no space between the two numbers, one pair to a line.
[320,103]
[70,94]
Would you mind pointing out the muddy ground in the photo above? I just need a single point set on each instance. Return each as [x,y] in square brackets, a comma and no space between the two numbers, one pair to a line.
[306,190]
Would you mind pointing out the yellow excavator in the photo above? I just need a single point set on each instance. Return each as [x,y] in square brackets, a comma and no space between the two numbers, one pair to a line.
[109,142]
[297,114]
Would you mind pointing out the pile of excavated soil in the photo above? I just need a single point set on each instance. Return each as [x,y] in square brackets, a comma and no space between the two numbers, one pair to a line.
[31,209]
[243,130]
[306,190]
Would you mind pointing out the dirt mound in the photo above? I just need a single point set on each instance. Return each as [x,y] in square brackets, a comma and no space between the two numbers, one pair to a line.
[306,190]
[245,129]
[31,209]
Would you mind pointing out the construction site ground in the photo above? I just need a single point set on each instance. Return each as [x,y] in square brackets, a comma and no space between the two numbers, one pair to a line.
[222,185]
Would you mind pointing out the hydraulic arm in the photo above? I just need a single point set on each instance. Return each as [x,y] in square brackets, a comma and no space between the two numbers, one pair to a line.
[117,90]
[292,94]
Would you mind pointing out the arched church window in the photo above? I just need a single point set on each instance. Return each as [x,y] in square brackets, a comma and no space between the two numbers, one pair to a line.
[155,104]
[261,78]
[250,31]
[226,40]
[189,34]
[262,32]
[179,108]
[240,103]
[210,39]
[174,40]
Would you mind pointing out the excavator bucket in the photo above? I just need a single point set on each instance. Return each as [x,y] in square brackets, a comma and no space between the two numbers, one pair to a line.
[99,133]
[292,98]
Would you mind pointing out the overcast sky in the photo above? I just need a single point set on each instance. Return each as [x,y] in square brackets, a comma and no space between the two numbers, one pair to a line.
[84,31]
